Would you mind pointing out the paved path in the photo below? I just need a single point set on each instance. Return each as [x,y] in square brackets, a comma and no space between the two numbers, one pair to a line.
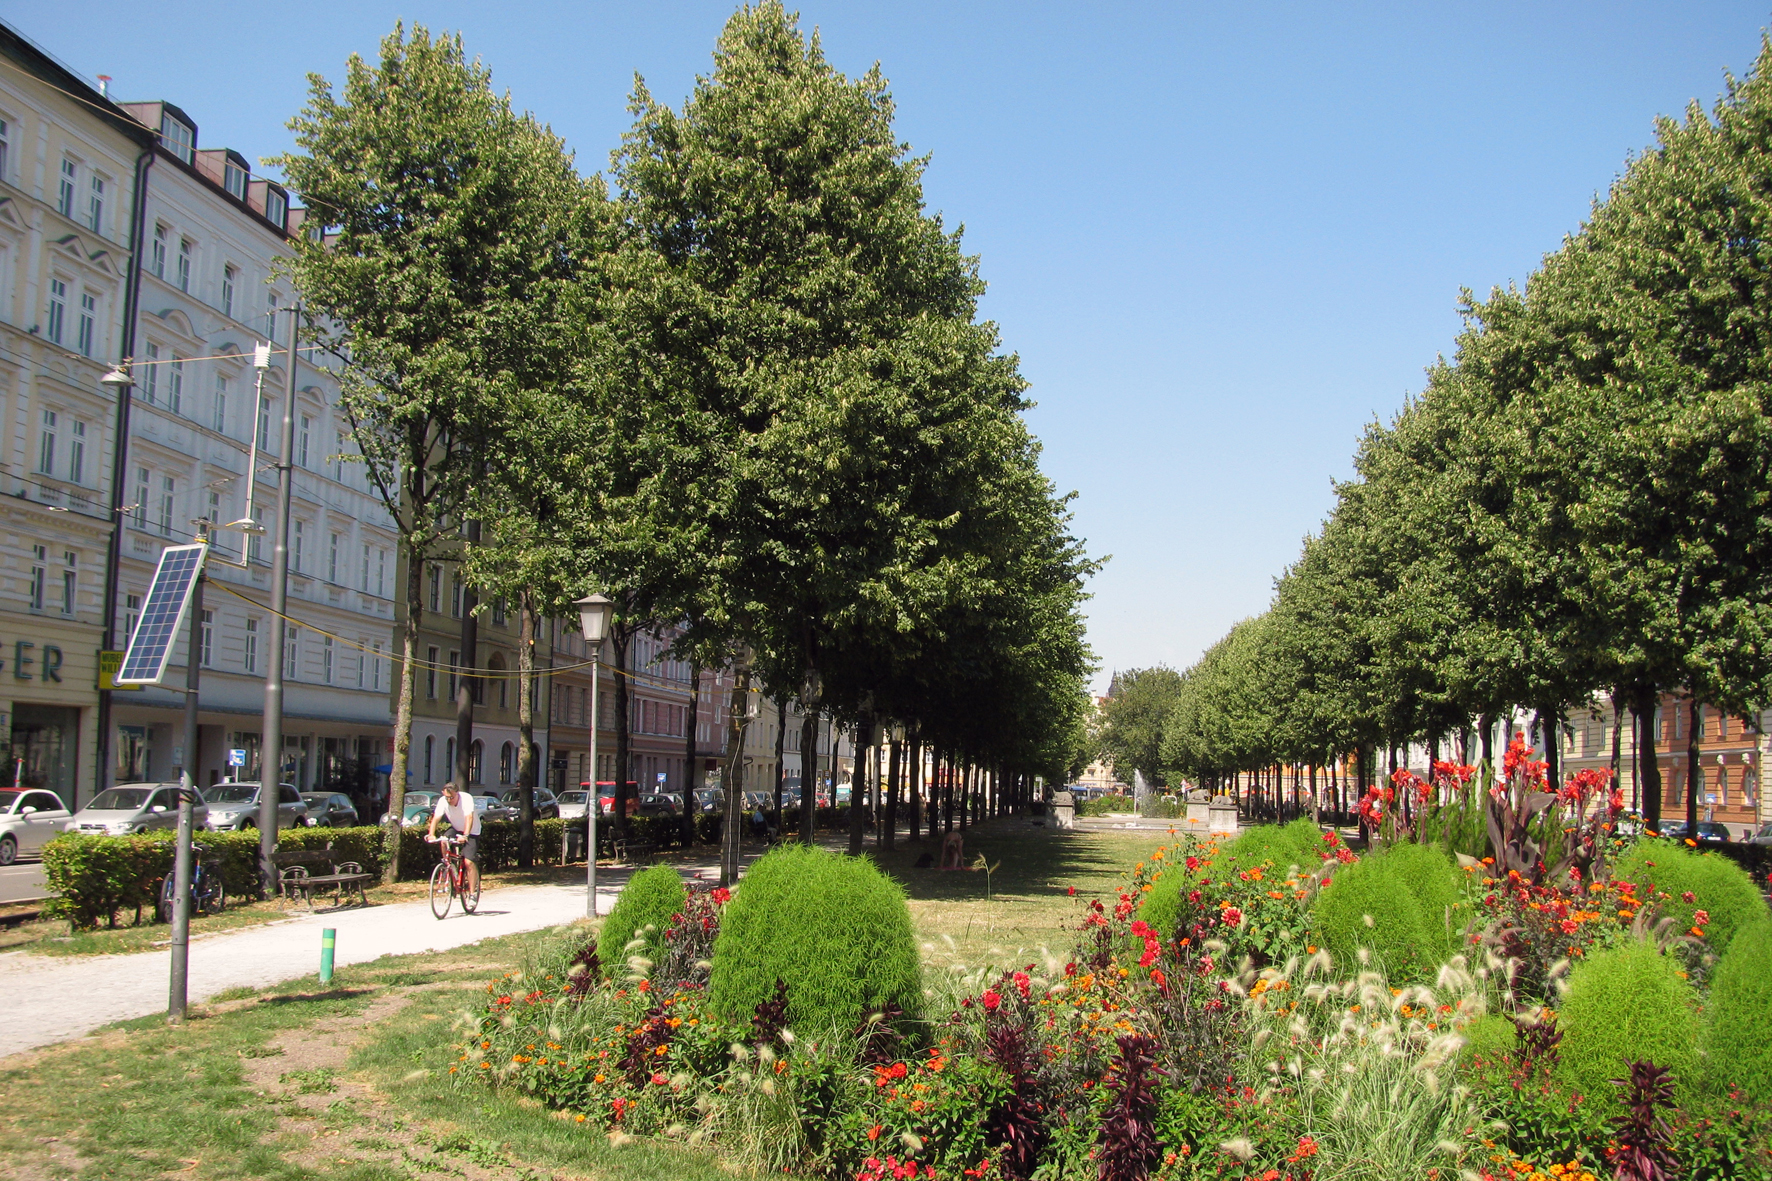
[53,998]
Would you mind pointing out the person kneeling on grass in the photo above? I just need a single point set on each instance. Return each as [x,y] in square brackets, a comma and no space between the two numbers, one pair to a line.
[457,807]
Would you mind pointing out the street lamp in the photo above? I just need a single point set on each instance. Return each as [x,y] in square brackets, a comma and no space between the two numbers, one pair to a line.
[594,611]
[119,382]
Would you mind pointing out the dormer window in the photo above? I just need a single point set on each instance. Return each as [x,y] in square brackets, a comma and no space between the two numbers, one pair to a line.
[234,180]
[178,139]
[276,207]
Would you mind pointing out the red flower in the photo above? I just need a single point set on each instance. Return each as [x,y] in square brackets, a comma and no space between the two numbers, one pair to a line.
[1023,984]
[1071,891]
[1232,916]
[721,895]
[1193,863]
[874,1132]
[991,1000]
[659,1080]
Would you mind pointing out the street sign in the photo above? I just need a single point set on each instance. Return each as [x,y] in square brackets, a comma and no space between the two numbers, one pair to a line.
[236,757]
[169,597]
[108,664]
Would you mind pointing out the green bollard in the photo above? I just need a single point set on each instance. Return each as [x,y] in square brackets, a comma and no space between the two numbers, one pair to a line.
[328,938]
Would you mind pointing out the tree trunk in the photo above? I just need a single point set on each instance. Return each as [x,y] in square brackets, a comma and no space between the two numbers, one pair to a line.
[809,772]
[464,684]
[619,639]
[691,809]
[526,626]
[888,837]
[859,781]
[1487,721]
[914,786]
[1648,766]
[732,777]
[397,772]
[1694,769]
[781,738]
[1617,734]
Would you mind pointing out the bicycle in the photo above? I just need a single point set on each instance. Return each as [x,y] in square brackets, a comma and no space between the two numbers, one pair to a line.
[208,894]
[449,880]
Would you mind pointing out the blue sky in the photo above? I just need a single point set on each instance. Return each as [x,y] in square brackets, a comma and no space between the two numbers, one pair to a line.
[1222,238]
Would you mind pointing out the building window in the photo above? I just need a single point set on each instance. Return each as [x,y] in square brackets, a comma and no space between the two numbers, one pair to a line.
[271,318]
[95,207]
[227,305]
[476,759]
[46,444]
[363,582]
[177,138]
[64,202]
[507,760]
[276,208]
[175,385]
[207,655]
[220,420]
[301,450]
[132,613]
[167,488]
[150,386]
[381,571]
[436,593]
[362,661]
[58,309]
[449,759]
[498,611]
[296,549]
[70,581]
[5,147]
[249,653]
[77,454]
[39,575]
[88,323]
[212,513]
[332,558]
[326,659]
[455,596]
[430,753]
[454,670]
[338,456]
[264,423]
[430,674]
[157,260]
[375,668]
[142,482]
[184,264]
[291,650]
[234,180]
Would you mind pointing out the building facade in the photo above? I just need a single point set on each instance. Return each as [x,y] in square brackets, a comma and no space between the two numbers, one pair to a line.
[68,165]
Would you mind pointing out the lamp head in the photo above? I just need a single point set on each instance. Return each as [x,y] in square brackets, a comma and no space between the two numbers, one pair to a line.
[118,378]
[594,611]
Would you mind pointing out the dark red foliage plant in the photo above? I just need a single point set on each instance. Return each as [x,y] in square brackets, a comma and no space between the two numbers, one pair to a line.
[1126,1143]
[771,1018]
[1018,1124]
[584,972]
[643,1044]
[1644,1149]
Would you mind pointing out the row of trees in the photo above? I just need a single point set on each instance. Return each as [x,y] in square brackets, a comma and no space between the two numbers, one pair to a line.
[747,392]
[1576,505]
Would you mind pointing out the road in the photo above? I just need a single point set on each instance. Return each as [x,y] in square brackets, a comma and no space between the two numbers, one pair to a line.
[50,999]
[22,882]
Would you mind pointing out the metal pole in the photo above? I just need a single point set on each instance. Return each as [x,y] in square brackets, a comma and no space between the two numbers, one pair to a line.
[270,758]
[328,942]
[592,803]
[187,782]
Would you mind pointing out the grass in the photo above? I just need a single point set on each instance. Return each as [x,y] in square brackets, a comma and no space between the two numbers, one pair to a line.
[350,1083]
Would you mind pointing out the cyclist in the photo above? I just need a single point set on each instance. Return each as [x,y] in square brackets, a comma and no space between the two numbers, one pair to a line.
[457,807]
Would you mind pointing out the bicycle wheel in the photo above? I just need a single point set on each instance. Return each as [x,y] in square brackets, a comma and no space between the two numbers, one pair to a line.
[163,908]
[469,900]
[442,889]
[218,894]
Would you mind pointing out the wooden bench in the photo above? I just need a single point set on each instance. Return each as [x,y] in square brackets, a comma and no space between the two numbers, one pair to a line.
[634,852]
[303,871]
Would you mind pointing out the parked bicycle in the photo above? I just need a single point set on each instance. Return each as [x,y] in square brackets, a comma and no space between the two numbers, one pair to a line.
[208,894]
[450,879]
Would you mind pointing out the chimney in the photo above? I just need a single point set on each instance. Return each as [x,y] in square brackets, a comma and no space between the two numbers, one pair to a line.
[104,85]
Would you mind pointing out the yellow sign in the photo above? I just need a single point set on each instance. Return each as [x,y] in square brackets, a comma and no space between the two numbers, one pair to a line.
[108,664]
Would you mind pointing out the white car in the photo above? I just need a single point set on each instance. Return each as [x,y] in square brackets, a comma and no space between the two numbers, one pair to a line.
[28,818]
[572,803]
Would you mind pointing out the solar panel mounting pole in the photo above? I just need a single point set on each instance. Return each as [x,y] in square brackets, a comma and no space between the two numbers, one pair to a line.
[187,785]
[270,759]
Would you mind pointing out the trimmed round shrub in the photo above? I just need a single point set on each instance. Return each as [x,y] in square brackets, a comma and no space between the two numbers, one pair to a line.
[651,897]
[1279,846]
[1716,884]
[1401,904]
[1740,1014]
[1489,1039]
[1624,1003]
[833,928]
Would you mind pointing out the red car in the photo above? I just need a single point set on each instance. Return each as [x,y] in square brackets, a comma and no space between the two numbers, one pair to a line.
[606,796]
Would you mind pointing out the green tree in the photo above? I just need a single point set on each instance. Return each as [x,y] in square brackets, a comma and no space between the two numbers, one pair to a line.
[1131,732]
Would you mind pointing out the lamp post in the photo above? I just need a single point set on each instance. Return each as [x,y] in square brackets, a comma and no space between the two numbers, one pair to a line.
[119,381]
[594,611]
[270,758]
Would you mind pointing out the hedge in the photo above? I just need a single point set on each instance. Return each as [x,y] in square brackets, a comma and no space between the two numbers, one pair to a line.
[1739,1015]
[95,878]
[833,928]
[1401,903]
[650,898]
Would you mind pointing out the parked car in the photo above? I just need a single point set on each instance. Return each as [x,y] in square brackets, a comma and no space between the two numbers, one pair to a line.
[1709,832]
[490,808]
[134,807]
[658,805]
[606,796]
[27,819]
[547,807]
[234,805]
[571,803]
[766,801]
[329,809]
[424,799]
[710,799]
[1762,835]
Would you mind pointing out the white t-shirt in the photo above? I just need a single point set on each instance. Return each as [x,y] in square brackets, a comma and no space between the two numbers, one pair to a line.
[461,814]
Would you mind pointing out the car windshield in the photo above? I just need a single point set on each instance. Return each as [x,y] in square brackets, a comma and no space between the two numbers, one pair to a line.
[120,799]
[573,797]
[8,799]
[231,793]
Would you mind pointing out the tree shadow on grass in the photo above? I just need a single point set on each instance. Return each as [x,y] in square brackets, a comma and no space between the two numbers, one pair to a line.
[1033,862]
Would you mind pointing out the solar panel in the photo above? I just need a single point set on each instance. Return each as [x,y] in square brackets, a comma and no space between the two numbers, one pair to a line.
[169,597]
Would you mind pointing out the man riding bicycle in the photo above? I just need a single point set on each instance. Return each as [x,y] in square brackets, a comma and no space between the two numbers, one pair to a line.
[457,807]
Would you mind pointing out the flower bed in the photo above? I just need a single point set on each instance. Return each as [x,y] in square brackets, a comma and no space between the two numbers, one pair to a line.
[1222,1042]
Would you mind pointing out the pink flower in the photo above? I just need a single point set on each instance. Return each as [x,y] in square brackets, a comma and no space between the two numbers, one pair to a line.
[1023,984]
[1232,916]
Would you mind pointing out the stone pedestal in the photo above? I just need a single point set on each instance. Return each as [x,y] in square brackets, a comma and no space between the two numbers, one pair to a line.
[1064,810]
[1223,817]
[1199,816]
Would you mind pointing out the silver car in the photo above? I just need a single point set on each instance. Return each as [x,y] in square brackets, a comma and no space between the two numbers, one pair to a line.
[572,803]
[28,818]
[235,806]
[135,807]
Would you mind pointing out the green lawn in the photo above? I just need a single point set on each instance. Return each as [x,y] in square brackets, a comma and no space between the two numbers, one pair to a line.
[351,1083]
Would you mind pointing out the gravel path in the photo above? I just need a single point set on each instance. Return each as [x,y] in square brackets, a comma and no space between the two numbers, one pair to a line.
[52,999]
